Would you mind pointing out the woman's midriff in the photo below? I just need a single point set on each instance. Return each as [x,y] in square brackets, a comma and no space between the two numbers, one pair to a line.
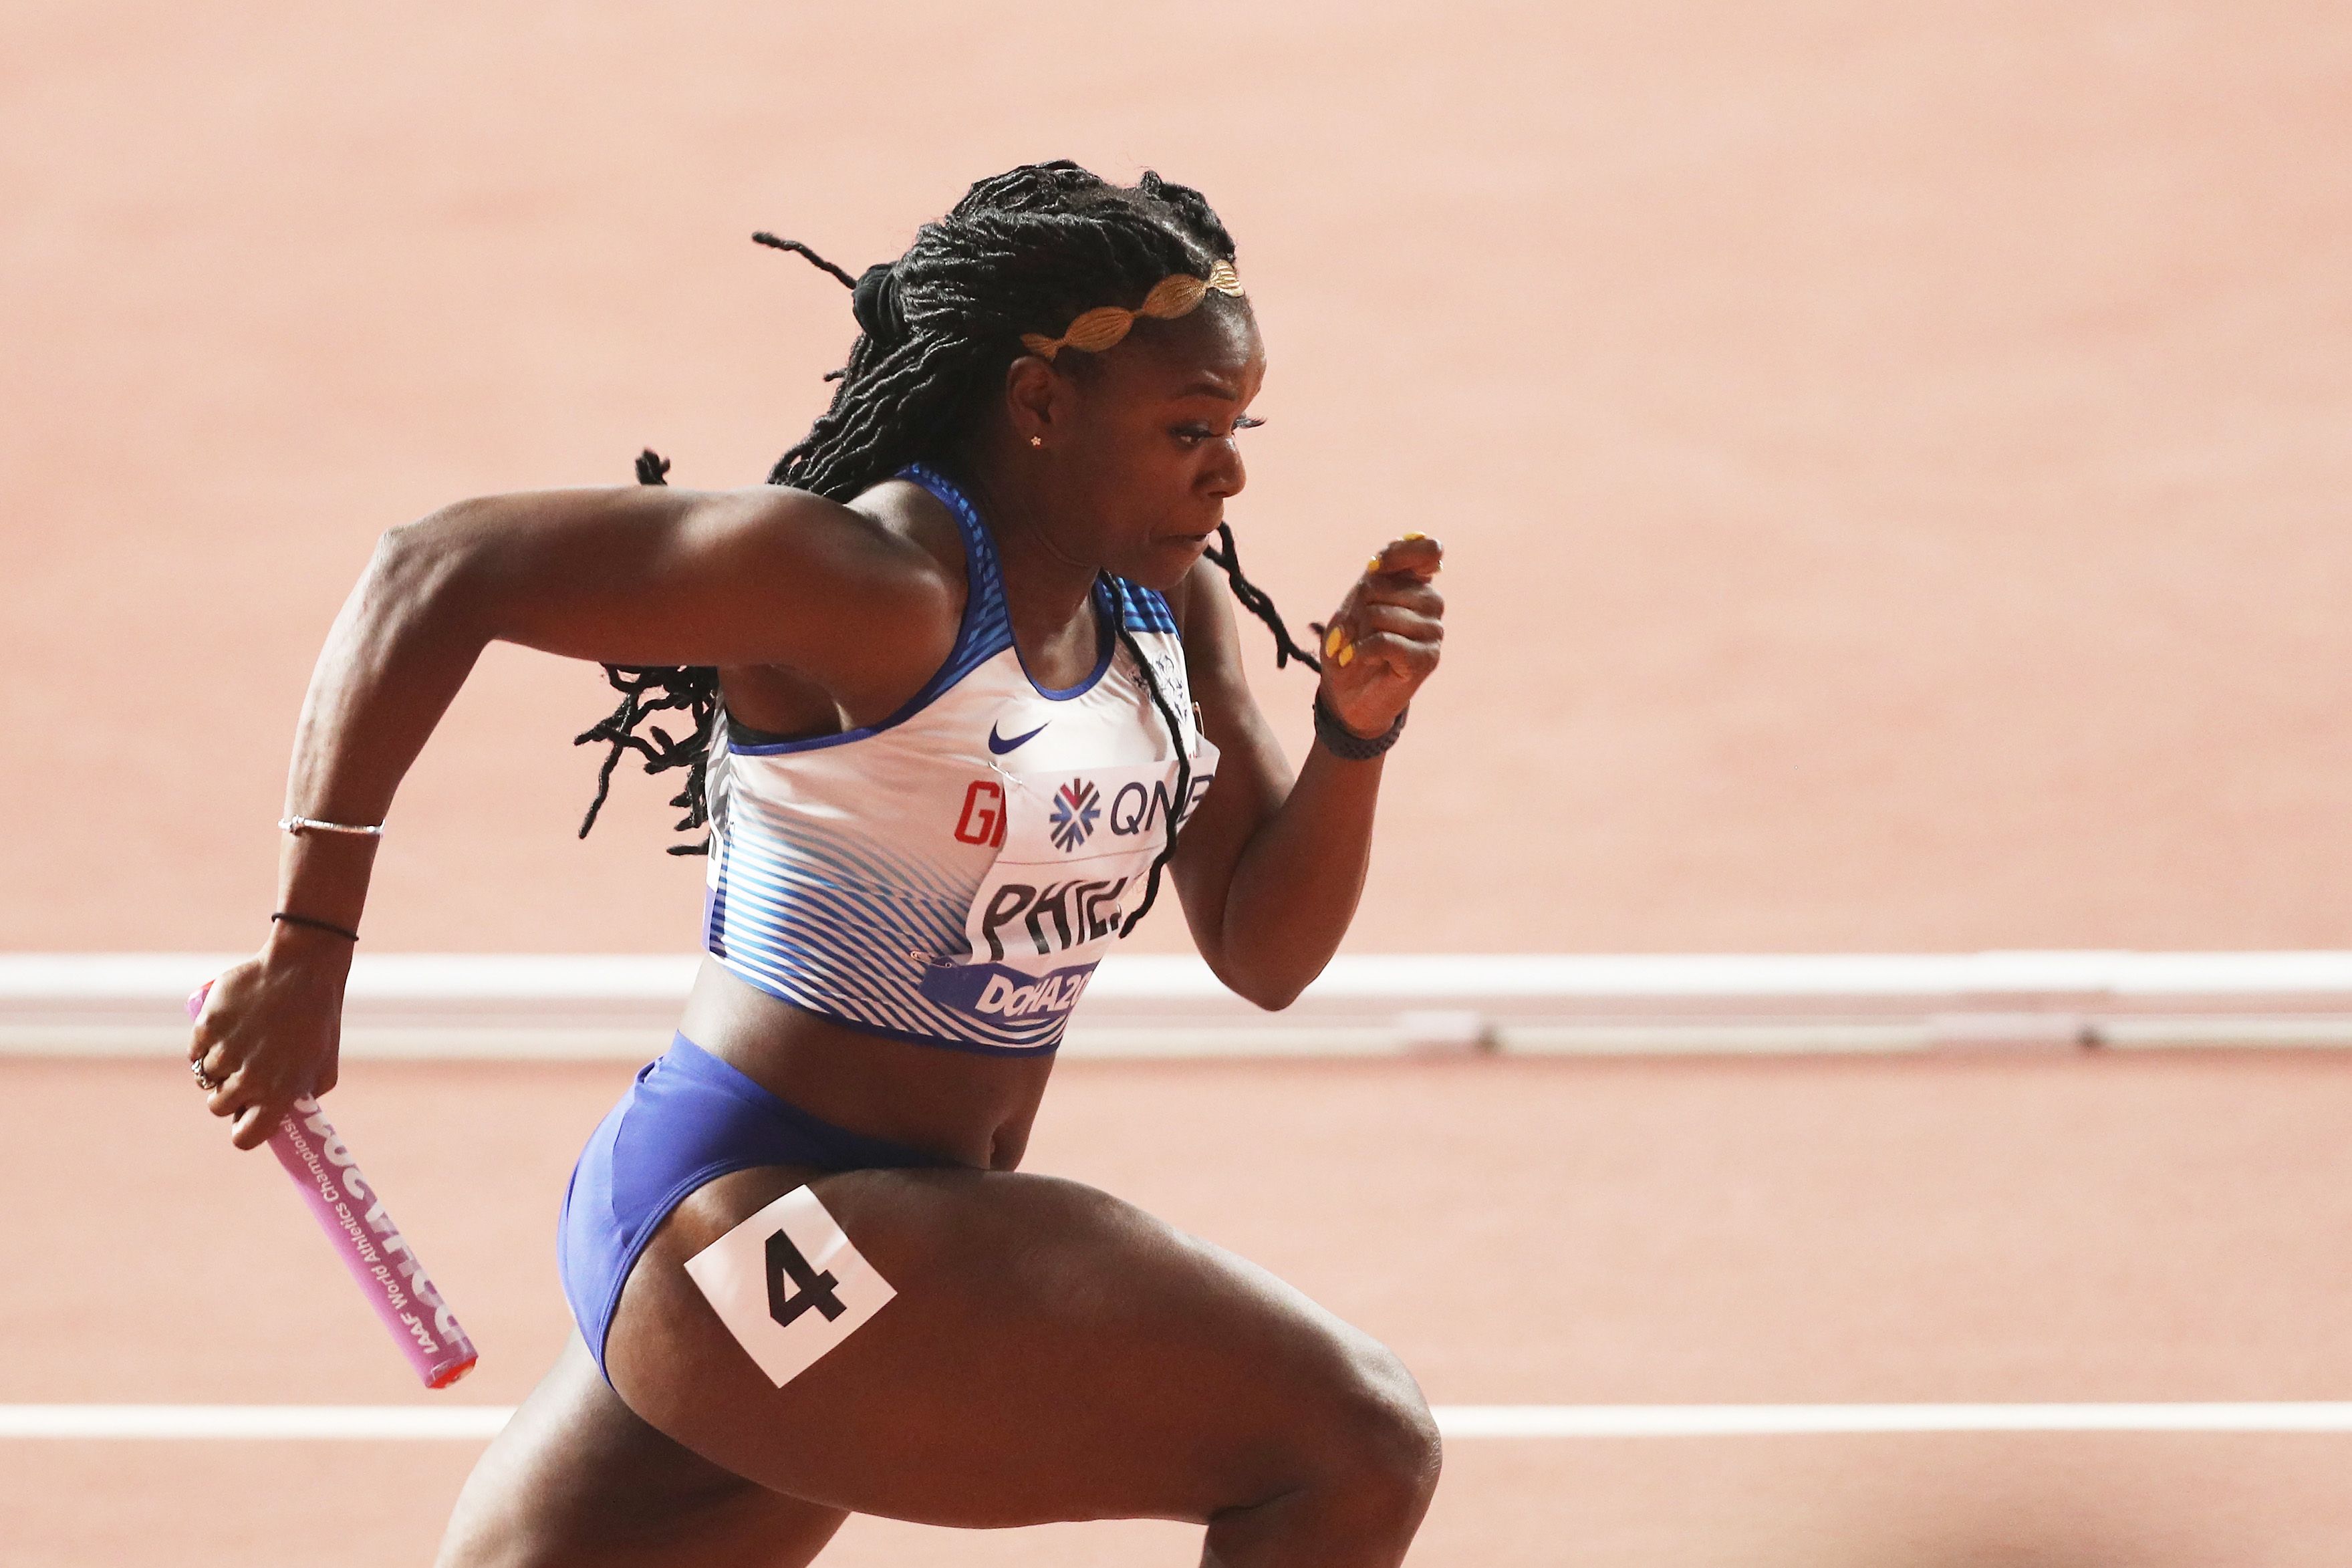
[969,1107]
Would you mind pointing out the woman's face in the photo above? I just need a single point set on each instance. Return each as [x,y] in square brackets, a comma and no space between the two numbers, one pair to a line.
[1138,452]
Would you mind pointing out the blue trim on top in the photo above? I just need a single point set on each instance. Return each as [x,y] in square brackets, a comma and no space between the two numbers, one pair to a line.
[1099,600]
[1143,609]
[967,517]
[992,627]
[986,628]
[984,632]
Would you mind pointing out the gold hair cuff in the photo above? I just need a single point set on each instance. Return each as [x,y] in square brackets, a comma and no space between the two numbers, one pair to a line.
[1178,294]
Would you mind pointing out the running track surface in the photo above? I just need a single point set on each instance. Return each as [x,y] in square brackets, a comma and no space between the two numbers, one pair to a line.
[1998,1228]
[1894,460]
[1893,457]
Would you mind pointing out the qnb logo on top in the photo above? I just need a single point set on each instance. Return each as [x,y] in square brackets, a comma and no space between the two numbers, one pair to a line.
[1072,817]
[1075,806]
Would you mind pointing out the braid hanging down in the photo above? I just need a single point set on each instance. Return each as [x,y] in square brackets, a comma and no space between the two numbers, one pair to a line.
[647,689]
[1024,252]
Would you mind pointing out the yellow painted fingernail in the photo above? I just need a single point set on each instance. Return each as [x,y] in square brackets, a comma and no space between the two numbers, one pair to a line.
[1333,639]
[1347,656]
[1411,537]
[1373,564]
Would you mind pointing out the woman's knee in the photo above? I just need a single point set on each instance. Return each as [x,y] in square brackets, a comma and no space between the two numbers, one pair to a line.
[1372,1444]
[1362,1477]
[1396,1449]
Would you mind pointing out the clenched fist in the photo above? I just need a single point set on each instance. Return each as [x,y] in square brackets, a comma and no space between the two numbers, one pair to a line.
[1384,642]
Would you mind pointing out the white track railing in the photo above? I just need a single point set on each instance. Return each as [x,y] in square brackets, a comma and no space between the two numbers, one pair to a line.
[608,1006]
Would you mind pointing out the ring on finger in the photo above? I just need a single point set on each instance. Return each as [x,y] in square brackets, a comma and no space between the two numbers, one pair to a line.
[203,1080]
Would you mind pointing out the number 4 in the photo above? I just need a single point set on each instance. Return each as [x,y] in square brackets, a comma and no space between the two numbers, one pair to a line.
[814,1290]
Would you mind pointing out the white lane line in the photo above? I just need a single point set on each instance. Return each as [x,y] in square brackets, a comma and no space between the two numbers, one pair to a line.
[372,1422]
[1782,1420]
[397,1423]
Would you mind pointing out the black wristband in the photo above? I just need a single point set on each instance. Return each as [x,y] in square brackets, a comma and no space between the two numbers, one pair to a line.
[1343,742]
[344,931]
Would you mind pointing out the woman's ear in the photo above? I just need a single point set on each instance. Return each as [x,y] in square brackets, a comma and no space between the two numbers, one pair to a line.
[1035,393]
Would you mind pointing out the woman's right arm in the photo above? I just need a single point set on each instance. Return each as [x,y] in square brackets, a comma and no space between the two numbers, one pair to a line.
[645,576]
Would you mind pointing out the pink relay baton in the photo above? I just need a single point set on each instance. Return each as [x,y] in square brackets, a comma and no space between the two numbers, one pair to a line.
[380,1259]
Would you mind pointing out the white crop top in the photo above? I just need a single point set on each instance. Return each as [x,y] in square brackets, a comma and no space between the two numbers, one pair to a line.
[952,874]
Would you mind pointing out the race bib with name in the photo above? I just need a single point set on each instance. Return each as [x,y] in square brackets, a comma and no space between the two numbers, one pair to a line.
[1078,847]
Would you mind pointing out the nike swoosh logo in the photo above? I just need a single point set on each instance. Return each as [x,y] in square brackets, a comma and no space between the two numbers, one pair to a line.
[1000,745]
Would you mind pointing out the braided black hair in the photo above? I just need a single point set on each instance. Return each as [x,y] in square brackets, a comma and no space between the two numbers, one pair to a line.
[1025,251]
[651,688]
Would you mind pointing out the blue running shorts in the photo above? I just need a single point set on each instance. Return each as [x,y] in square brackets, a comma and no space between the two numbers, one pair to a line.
[690,1119]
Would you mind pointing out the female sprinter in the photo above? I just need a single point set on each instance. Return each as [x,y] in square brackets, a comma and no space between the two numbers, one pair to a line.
[973,669]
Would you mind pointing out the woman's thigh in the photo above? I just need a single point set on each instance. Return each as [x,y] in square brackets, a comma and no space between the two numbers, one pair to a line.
[577,1480]
[1051,1353]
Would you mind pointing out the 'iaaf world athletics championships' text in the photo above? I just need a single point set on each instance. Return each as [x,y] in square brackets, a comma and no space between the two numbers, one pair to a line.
[306,1122]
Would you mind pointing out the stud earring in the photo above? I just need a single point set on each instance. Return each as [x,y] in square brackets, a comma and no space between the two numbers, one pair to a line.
[1036,440]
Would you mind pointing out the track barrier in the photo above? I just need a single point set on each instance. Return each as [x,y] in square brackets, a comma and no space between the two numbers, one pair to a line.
[610,1007]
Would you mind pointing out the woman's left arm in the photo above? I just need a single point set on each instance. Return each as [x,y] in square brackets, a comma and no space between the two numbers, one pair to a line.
[1270,868]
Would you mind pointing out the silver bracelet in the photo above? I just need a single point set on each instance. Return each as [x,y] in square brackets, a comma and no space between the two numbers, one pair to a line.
[312,825]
